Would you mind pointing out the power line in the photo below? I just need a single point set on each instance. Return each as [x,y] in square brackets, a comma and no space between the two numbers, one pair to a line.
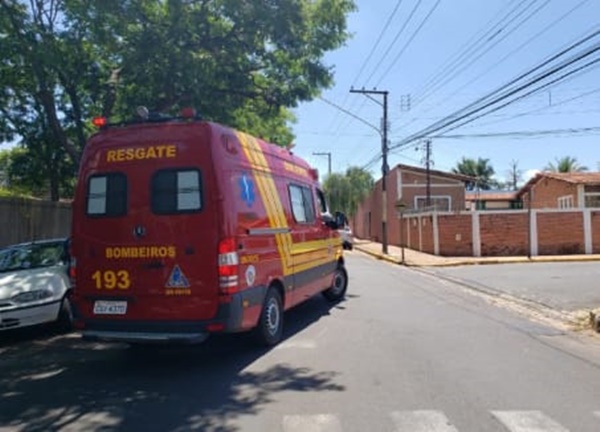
[465,65]
[505,91]
[524,134]
[457,58]
[391,45]
[345,111]
[560,78]
[519,48]
[379,38]
[387,71]
[366,61]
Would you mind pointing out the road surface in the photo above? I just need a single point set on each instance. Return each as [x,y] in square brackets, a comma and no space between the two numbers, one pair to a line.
[404,353]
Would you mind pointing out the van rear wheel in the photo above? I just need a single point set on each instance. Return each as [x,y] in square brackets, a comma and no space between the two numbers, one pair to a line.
[270,325]
[338,288]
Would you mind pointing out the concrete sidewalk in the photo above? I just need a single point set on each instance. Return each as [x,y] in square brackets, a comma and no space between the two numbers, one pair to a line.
[413,258]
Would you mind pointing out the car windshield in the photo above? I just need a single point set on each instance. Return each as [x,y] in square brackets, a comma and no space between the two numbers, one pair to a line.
[33,255]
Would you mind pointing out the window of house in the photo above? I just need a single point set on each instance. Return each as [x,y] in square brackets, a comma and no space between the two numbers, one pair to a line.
[303,208]
[439,203]
[565,202]
[107,195]
[176,191]
[592,200]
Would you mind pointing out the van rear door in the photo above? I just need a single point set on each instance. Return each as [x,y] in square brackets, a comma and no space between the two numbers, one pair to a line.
[148,225]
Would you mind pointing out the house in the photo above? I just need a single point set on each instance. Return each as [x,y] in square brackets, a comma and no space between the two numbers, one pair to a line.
[493,200]
[562,190]
[407,185]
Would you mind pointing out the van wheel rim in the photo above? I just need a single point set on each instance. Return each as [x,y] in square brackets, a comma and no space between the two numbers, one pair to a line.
[273,316]
[338,283]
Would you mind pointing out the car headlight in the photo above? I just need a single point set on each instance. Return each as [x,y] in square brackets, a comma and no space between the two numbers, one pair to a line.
[31,296]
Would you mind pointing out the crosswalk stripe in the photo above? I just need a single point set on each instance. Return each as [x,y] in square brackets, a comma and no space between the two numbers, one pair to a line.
[422,421]
[311,423]
[528,421]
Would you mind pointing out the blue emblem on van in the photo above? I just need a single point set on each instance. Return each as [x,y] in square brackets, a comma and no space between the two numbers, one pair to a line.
[247,190]
[177,279]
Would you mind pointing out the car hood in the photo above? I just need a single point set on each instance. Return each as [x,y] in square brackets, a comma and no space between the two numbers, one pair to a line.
[18,281]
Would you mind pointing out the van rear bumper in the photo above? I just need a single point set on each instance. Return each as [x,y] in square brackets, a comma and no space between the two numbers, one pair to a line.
[228,319]
[143,337]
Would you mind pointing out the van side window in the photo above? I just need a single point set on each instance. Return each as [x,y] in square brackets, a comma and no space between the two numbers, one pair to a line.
[176,191]
[322,201]
[302,204]
[107,195]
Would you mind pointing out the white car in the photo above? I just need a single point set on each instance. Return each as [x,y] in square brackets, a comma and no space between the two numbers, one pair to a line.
[34,284]
[347,237]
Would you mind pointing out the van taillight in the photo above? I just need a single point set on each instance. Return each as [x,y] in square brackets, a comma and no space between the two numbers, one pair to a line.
[228,266]
[72,269]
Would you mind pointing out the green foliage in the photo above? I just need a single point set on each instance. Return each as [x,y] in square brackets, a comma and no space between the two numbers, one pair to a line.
[346,191]
[239,62]
[565,164]
[480,169]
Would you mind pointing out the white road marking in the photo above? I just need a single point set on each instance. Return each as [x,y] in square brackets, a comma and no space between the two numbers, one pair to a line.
[312,423]
[300,343]
[422,421]
[528,421]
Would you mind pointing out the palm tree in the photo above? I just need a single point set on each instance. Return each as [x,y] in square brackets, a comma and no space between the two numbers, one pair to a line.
[480,169]
[565,164]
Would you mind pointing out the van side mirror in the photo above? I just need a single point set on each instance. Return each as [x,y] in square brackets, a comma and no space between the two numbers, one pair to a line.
[340,219]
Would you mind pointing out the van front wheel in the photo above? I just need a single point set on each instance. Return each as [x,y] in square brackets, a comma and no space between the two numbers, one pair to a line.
[337,291]
[270,325]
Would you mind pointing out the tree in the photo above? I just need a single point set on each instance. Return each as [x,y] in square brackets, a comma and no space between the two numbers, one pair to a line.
[565,164]
[346,191]
[514,176]
[244,64]
[480,169]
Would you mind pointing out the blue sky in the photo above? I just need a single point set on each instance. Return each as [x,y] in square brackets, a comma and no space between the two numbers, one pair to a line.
[532,31]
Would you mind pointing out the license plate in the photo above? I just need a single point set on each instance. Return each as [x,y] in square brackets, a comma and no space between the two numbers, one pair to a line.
[104,307]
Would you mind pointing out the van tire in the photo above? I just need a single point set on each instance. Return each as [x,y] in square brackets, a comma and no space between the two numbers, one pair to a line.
[64,321]
[338,288]
[269,330]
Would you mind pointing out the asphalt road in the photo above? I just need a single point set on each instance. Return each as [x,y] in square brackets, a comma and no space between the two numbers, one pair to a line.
[404,353]
[567,286]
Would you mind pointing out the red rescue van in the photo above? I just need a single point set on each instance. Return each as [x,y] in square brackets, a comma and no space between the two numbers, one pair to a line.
[183,228]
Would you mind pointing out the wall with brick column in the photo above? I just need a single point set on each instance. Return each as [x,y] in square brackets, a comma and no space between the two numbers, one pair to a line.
[504,234]
[560,233]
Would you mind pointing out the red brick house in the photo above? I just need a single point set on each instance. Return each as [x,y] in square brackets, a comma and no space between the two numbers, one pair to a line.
[562,190]
[408,184]
[493,200]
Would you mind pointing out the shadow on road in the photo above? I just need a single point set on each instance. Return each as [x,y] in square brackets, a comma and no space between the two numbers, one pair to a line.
[67,384]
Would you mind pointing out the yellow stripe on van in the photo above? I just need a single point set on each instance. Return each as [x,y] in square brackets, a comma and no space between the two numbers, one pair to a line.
[270,197]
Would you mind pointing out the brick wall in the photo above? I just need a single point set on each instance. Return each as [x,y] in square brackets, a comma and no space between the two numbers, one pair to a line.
[596,232]
[455,235]
[560,233]
[504,234]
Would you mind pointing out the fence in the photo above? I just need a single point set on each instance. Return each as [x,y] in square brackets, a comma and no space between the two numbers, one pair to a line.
[24,219]
[500,233]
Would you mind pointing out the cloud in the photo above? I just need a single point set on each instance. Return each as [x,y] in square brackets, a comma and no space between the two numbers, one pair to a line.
[530,173]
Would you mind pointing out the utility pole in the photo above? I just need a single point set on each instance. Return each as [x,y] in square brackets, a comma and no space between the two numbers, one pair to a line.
[384,165]
[328,154]
[428,164]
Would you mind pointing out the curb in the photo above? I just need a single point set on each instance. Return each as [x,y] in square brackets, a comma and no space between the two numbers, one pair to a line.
[534,260]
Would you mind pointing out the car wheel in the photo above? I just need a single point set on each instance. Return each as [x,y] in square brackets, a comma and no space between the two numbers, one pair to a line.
[64,321]
[270,324]
[338,288]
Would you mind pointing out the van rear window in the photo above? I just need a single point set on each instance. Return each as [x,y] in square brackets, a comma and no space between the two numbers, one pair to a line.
[176,191]
[107,195]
